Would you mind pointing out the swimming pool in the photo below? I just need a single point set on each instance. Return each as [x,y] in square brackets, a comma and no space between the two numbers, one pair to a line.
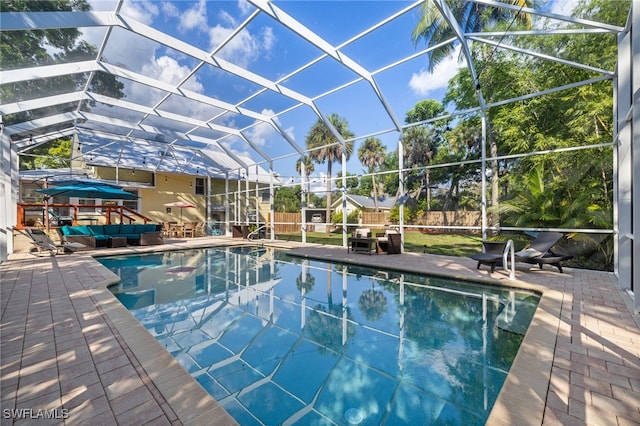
[283,340]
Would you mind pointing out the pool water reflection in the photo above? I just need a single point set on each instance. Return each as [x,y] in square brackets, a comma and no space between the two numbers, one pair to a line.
[283,340]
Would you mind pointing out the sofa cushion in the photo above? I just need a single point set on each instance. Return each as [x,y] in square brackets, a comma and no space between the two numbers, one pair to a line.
[140,228]
[79,230]
[127,228]
[151,227]
[113,229]
[96,229]
[363,232]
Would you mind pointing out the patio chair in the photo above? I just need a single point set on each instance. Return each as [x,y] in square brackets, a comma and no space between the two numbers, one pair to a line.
[42,242]
[539,251]
[492,254]
[361,241]
[215,229]
[189,230]
[199,229]
[57,220]
[389,242]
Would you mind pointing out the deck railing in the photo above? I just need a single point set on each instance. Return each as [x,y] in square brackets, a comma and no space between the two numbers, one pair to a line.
[37,214]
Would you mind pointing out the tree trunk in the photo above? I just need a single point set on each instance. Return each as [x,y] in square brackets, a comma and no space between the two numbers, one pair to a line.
[447,205]
[494,218]
[375,192]
[427,184]
[328,207]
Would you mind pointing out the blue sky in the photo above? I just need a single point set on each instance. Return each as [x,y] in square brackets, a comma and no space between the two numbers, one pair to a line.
[270,50]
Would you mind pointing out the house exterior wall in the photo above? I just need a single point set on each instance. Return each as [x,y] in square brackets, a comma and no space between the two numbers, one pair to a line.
[155,190]
[170,187]
[350,207]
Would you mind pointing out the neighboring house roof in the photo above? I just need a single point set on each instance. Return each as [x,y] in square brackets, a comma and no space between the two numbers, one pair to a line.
[366,203]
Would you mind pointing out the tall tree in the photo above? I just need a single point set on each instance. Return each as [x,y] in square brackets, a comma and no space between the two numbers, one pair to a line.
[421,142]
[433,29]
[287,199]
[571,189]
[372,154]
[472,17]
[419,148]
[32,48]
[324,146]
[52,155]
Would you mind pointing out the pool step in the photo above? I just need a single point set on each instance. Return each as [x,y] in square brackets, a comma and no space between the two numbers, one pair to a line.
[516,320]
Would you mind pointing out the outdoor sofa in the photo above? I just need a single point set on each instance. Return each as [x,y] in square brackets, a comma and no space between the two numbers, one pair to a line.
[384,242]
[113,235]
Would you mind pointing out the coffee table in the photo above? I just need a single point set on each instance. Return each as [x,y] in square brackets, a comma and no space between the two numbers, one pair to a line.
[117,242]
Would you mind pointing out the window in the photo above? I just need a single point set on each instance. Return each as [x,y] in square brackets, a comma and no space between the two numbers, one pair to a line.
[132,204]
[82,202]
[265,196]
[199,186]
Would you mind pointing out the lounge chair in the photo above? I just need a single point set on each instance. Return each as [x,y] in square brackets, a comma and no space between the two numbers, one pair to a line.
[492,254]
[42,242]
[57,220]
[539,251]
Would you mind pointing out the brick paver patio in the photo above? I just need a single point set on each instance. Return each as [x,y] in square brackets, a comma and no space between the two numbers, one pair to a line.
[69,350]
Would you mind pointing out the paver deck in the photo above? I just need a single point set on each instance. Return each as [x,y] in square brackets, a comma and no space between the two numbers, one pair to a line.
[69,349]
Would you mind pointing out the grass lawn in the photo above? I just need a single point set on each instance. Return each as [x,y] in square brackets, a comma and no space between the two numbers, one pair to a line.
[415,242]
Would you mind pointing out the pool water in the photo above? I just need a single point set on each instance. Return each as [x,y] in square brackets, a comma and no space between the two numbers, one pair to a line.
[284,340]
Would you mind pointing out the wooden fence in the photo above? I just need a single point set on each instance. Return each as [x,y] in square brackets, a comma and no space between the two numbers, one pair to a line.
[449,221]
[450,218]
[288,222]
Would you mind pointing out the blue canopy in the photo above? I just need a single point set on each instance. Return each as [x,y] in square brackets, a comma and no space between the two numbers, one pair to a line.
[105,192]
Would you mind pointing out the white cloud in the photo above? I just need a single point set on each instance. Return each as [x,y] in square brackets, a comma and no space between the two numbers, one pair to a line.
[143,11]
[262,132]
[423,82]
[194,17]
[245,7]
[268,38]
[170,10]
[245,47]
[167,69]
[318,181]
[289,131]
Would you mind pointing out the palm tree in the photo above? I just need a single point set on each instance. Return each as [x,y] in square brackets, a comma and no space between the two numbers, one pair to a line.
[472,17]
[420,143]
[323,146]
[308,168]
[420,146]
[372,155]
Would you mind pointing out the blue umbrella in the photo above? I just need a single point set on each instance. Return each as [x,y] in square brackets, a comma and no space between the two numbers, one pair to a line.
[105,192]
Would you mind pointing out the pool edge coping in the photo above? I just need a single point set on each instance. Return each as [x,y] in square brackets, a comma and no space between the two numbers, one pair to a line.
[178,388]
